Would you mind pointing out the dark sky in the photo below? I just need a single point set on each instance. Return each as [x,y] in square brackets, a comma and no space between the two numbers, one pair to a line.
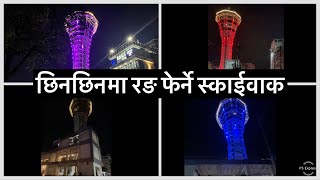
[116,23]
[260,25]
[57,123]
[205,139]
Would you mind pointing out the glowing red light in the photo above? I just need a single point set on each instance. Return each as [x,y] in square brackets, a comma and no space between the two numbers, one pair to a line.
[228,22]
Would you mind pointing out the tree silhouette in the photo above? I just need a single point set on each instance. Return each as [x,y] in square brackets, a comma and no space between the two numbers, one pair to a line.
[34,38]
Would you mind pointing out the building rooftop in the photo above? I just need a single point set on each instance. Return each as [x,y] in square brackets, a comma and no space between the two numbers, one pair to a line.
[149,46]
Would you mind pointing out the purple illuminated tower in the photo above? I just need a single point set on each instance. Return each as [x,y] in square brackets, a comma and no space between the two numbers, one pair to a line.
[81,26]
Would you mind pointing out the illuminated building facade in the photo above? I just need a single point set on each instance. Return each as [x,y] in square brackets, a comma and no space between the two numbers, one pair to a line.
[228,22]
[236,64]
[211,167]
[81,26]
[277,54]
[232,64]
[106,169]
[78,154]
[232,115]
[135,55]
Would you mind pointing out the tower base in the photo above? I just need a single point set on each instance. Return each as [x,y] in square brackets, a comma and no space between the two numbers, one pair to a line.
[196,167]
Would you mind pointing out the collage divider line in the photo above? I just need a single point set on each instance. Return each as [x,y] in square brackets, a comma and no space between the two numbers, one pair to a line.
[18,83]
[159,99]
[302,84]
[317,97]
[159,137]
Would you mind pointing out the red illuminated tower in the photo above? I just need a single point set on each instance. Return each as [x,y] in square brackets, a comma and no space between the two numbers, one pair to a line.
[228,22]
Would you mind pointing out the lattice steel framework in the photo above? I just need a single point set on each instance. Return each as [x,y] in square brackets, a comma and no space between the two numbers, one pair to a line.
[232,115]
[228,22]
[81,26]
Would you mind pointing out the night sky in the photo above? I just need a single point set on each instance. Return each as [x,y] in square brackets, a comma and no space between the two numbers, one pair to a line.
[57,123]
[205,140]
[116,23]
[259,26]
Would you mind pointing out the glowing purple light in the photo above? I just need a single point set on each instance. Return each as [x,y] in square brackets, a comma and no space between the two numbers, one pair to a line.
[81,26]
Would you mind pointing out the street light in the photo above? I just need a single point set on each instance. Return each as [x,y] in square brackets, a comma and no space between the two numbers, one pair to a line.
[130,38]
[112,51]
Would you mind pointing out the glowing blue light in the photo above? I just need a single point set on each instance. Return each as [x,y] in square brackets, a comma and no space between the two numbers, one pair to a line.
[227,119]
[113,62]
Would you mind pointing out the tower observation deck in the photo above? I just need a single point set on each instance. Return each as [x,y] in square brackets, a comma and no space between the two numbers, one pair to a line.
[228,22]
[232,115]
[80,109]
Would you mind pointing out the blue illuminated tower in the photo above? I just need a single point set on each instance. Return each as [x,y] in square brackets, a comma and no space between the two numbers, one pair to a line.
[232,115]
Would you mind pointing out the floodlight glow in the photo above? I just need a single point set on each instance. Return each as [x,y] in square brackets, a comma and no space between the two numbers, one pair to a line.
[130,38]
